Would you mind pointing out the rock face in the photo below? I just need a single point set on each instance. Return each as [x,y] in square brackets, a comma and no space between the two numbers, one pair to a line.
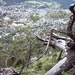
[8,71]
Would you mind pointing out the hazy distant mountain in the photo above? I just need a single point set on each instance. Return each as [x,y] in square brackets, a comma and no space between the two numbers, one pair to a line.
[2,2]
[64,3]
[14,1]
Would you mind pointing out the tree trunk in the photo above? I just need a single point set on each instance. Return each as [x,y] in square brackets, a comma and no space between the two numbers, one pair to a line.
[63,65]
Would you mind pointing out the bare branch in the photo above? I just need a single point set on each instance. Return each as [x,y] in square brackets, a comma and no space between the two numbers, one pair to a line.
[62,43]
[71,22]
[29,53]
[49,42]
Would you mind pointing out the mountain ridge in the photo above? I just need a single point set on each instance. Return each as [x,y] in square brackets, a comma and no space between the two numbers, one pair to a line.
[64,4]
